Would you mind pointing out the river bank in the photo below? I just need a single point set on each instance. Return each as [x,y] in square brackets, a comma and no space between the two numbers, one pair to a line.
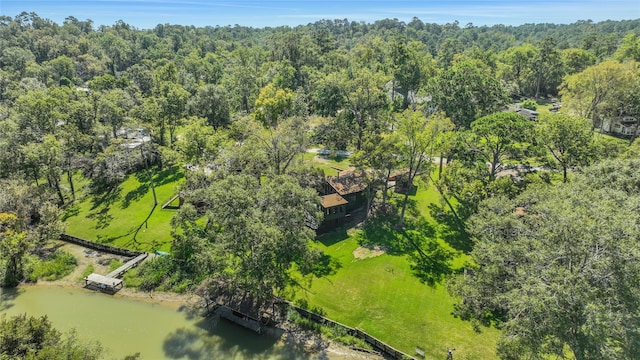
[313,344]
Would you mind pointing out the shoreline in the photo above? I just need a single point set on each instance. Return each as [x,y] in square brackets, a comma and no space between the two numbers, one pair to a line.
[314,344]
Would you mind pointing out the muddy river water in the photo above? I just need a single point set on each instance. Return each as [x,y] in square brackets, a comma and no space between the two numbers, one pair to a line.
[127,326]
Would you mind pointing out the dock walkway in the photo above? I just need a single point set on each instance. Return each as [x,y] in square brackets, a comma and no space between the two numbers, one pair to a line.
[111,282]
[129,265]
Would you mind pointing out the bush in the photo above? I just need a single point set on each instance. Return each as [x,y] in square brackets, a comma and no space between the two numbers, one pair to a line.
[114,264]
[530,104]
[59,265]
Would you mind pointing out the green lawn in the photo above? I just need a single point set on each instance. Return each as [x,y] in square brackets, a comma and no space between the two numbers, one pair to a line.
[383,297]
[126,217]
[380,295]
[329,164]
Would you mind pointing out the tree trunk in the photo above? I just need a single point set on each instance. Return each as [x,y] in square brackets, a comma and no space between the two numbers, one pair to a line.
[440,169]
[634,135]
[70,179]
[564,174]
[153,187]
[384,191]
[56,185]
[404,207]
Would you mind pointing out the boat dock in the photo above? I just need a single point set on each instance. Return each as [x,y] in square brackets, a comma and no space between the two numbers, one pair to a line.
[112,282]
[126,267]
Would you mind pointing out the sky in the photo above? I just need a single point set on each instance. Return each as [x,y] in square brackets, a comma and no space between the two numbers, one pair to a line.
[146,14]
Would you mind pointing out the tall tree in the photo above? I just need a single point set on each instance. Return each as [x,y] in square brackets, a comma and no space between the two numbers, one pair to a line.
[498,135]
[548,69]
[281,144]
[210,102]
[257,231]
[592,92]
[173,106]
[364,100]
[568,139]
[417,139]
[467,91]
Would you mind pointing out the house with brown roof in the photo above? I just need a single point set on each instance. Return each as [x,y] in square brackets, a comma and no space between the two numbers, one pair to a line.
[351,185]
[341,195]
[334,209]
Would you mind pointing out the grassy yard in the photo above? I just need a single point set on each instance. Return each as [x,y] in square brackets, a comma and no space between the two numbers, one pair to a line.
[125,217]
[379,294]
[382,296]
[329,164]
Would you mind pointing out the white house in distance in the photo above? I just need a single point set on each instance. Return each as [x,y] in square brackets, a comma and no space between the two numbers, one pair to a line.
[623,126]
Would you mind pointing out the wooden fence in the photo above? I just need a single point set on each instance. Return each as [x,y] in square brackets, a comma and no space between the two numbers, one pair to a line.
[100,247]
[378,345]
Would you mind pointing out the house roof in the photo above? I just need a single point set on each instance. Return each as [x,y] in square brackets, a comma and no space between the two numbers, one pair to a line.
[347,182]
[332,200]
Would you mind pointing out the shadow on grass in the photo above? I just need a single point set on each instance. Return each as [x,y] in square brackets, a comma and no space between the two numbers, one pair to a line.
[325,266]
[106,198]
[380,231]
[71,210]
[135,195]
[103,218]
[167,176]
[334,237]
[430,262]
[451,229]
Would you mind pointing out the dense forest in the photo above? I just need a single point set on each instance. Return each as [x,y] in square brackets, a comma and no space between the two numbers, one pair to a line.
[83,106]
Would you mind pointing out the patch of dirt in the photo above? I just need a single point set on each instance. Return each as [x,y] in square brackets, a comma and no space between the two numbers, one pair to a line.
[84,258]
[368,252]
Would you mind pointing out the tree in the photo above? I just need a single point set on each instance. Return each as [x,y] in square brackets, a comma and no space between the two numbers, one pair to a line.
[272,103]
[592,92]
[113,109]
[35,338]
[13,247]
[210,102]
[517,69]
[559,267]
[380,154]
[173,105]
[417,139]
[547,67]
[629,48]
[498,135]
[576,60]
[281,144]
[467,91]
[568,139]
[364,99]
[255,231]
[200,141]
[409,67]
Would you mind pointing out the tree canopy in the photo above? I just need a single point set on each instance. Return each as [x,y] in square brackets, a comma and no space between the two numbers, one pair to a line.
[557,267]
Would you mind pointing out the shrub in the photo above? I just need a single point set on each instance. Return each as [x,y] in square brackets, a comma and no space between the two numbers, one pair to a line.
[59,265]
[530,104]
[114,264]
